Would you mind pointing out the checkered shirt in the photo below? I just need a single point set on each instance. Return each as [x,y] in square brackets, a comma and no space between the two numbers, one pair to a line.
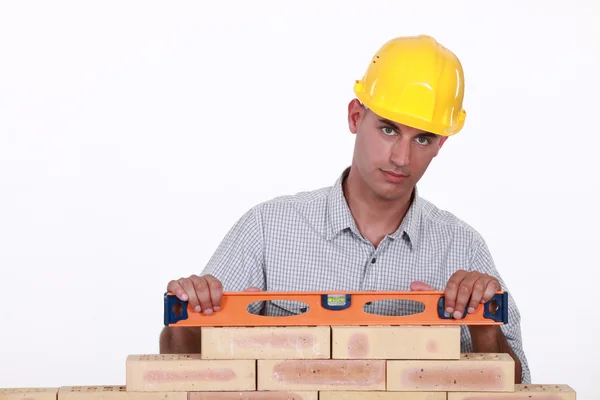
[310,242]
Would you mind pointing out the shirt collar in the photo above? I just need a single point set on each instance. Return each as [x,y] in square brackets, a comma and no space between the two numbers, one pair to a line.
[340,218]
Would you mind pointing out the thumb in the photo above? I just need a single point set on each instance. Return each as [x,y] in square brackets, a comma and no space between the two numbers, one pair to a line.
[421,286]
[252,289]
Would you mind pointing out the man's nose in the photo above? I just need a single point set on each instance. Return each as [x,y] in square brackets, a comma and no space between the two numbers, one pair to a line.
[401,152]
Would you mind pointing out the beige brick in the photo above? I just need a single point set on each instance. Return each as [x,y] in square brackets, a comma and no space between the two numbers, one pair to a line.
[114,392]
[283,342]
[472,372]
[257,395]
[396,342]
[522,392]
[38,393]
[355,395]
[188,372]
[321,375]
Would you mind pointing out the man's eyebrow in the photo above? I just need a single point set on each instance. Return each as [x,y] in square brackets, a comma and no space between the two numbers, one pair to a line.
[396,127]
[390,123]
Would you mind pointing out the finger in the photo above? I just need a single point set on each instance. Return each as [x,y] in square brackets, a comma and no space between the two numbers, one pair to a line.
[465,289]
[203,293]
[493,286]
[188,286]
[479,288]
[175,288]
[421,286]
[252,289]
[451,291]
[216,291]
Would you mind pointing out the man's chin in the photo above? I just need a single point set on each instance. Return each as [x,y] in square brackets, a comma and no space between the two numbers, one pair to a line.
[395,193]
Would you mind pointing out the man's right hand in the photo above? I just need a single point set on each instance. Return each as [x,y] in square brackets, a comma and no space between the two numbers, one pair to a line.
[203,293]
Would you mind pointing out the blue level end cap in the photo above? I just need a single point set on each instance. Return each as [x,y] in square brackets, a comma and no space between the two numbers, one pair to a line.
[175,309]
[500,313]
[499,303]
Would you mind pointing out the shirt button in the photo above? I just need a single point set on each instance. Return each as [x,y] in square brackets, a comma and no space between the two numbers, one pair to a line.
[373,260]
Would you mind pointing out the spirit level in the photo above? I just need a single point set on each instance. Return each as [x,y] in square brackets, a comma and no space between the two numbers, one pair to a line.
[332,308]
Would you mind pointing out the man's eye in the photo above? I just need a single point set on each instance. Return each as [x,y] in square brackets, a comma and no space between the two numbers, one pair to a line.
[422,140]
[387,130]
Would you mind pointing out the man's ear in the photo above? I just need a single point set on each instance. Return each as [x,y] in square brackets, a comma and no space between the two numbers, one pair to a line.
[356,112]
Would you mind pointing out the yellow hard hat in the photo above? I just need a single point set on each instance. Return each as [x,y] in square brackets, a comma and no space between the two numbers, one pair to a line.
[417,82]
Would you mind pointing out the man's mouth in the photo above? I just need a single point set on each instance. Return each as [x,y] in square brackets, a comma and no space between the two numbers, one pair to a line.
[394,173]
[393,176]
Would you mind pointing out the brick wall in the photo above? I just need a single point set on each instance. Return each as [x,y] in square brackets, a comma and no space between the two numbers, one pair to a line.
[315,363]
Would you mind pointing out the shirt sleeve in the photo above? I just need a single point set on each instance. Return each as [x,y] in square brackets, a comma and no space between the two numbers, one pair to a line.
[483,262]
[238,260]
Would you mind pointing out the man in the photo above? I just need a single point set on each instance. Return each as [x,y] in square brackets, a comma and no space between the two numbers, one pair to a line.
[370,231]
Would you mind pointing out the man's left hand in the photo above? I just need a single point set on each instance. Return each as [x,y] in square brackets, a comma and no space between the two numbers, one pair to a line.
[465,290]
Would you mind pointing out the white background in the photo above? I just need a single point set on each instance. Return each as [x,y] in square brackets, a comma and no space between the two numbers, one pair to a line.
[134,134]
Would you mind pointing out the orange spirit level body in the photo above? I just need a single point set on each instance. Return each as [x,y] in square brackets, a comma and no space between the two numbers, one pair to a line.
[332,308]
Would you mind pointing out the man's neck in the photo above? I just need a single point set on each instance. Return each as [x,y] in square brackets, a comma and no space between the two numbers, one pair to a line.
[374,217]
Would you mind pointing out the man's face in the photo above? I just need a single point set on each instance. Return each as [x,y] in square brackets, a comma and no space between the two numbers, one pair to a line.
[390,158]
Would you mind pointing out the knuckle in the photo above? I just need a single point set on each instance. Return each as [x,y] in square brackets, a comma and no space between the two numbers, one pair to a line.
[215,285]
[200,284]
[183,281]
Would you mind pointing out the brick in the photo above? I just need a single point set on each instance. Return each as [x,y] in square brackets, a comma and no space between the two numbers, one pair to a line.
[521,392]
[355,395]
[188,372]
[284,342]
[114,392]
[257,395]
[472,372]
[396,342]
[39,393]
[321,374]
